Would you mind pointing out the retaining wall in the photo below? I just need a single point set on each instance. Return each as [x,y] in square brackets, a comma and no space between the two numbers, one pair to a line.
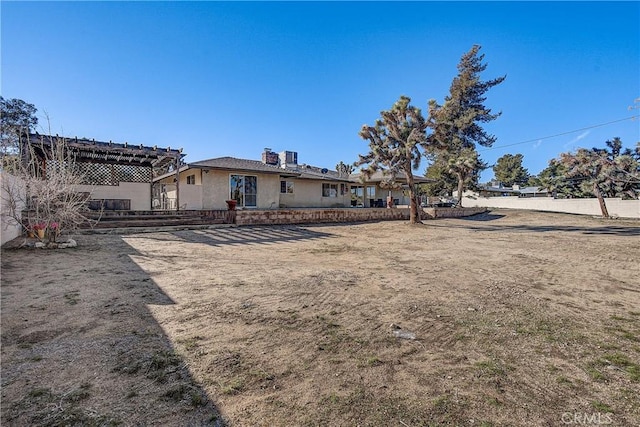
[312,216]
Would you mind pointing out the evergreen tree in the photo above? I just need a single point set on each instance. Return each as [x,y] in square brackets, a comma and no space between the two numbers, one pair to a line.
[444,182]
[509,170]
[17,118]
[457,123]
[554,179]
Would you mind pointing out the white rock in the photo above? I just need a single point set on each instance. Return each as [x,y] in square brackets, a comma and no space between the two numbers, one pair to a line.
[40,245]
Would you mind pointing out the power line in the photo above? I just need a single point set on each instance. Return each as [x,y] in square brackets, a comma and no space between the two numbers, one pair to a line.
[559,134]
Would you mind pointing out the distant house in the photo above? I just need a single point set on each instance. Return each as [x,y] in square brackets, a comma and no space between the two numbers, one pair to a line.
[532,192]
[276,181]
[516,190]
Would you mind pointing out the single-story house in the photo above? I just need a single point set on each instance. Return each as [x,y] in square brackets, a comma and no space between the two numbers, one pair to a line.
[275,182]
[516,190]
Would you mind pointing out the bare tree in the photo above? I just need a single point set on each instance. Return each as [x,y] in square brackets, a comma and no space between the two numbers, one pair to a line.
[46,190]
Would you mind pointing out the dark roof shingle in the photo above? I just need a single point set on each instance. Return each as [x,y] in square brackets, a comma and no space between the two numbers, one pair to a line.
[233,163]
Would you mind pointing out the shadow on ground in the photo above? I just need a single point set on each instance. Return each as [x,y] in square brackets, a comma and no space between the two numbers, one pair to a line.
[80,348]
[483,217]
[249,235]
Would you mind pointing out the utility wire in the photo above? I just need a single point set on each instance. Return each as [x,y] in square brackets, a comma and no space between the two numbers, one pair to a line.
[559,134]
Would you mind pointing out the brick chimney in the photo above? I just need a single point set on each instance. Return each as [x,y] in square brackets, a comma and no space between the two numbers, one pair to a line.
[269,157]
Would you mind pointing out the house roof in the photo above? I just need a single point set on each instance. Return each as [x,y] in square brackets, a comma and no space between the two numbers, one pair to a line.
[381,175]
[301,171]
[232,163]
[92,151]
[521,190]
[498,189]
[314,172]
[256,166]
[532,190]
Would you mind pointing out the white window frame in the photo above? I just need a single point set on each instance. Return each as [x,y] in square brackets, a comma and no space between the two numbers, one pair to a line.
[242,197]
[332,190]
[288,186]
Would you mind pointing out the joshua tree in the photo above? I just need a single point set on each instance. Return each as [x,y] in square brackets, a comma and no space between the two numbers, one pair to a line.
[394,146]
[608,172]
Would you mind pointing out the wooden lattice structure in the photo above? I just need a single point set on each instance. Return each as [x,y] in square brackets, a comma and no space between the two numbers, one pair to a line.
[107,163]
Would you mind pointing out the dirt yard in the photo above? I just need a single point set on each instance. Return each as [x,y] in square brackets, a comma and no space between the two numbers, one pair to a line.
[519,319]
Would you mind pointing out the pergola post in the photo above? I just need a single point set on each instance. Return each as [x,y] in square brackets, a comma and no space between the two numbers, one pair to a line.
[177,165]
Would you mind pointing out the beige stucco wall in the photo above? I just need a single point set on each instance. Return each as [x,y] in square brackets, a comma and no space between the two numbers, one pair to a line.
[10,229]
[138,192]
[190,196]
[212,189]
[308,193]
[215,189]
[615,206]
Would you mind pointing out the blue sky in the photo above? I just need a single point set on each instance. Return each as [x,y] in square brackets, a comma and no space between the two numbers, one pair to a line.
[231,78]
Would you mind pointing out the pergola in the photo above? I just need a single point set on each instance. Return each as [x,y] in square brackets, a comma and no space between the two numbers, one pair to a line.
[107,163]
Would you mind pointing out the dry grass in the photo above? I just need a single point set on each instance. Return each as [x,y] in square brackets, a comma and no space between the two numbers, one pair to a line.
[519,318]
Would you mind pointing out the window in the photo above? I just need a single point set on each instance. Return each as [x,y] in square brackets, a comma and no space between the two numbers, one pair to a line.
[244,190]
[191,179]
[329,190]
[286,187]
[371,191]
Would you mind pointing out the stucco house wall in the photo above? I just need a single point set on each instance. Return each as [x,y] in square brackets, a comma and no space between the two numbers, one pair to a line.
[212,189]
[307,193]
[138,192]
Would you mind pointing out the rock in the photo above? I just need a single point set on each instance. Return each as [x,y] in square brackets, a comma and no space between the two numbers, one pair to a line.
[405,335]
[471,309]
[71,243]
[394,326]
[40,245]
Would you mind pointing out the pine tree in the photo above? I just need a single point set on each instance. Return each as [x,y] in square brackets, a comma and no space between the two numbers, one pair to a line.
[457,123]
[509,170]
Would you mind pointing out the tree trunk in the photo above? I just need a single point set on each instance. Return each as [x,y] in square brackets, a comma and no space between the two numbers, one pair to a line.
[603,206]
[460,189]
[414,215]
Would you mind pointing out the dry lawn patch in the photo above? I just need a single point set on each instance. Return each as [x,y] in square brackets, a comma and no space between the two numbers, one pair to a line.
[519,319]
